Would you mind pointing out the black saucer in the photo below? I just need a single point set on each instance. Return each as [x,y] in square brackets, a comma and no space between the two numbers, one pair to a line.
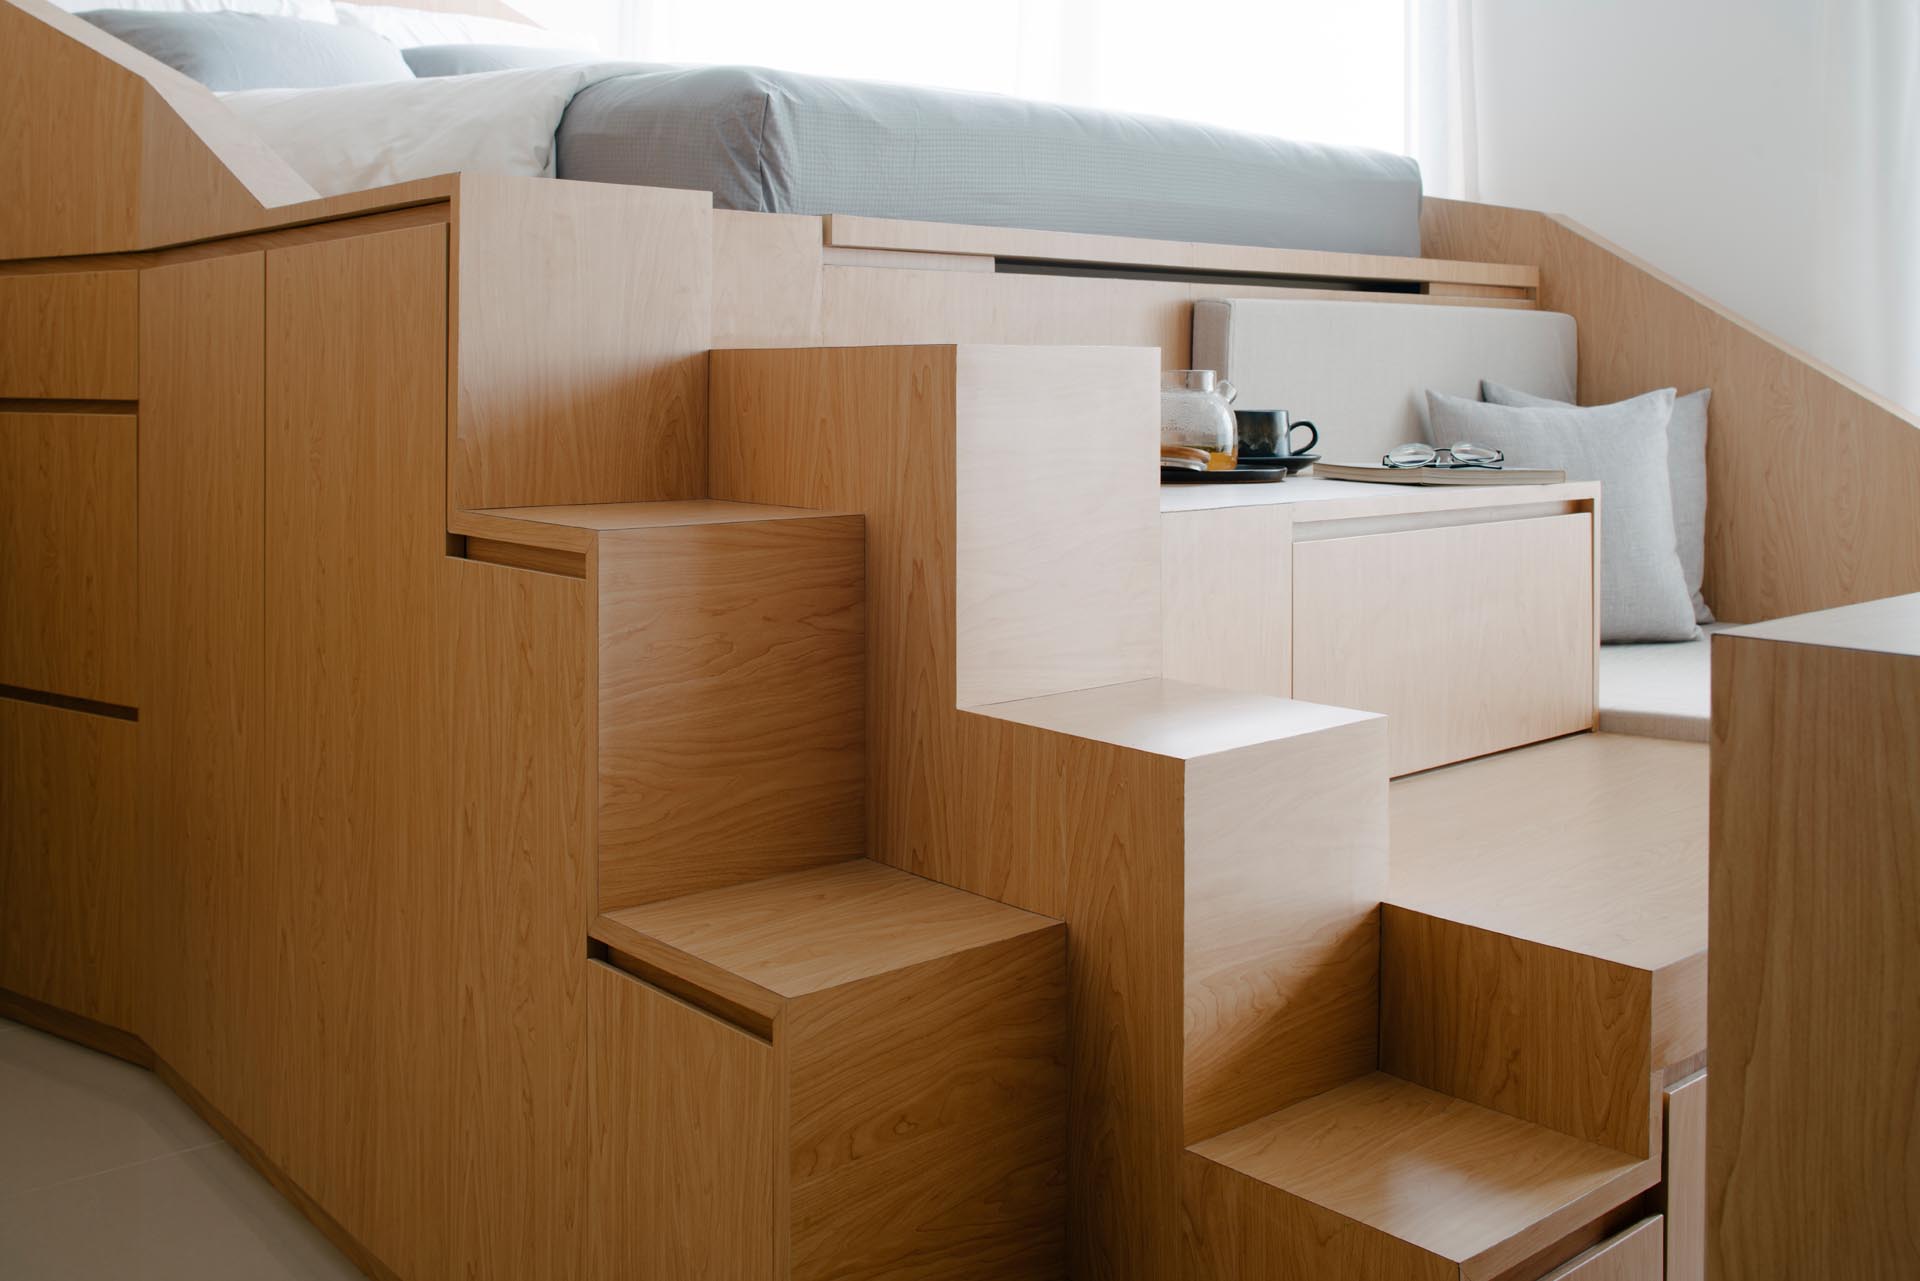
[1238,476]
[1289,463]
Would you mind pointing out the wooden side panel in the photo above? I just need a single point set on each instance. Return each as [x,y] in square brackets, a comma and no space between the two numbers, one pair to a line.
[1226,587]
[1813,1164]
[202,728]
[69,555]
[1684,1183]
[1282,942]
[584,318]
[71,929]
[930,1118]
[732,704]
[1460,662]
[766,279]
[1545,1035]
[1056,569]
[70,335]
[1633,1255]
[357,693]
[1809,476]
[687,1176]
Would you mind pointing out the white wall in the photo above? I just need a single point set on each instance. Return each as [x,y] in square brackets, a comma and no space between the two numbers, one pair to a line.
[1766,152]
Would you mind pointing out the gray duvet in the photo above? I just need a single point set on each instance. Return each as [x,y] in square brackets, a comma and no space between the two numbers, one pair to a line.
[778,142]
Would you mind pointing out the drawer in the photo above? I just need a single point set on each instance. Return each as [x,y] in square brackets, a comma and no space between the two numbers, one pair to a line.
[1470,638]
[69,534]
[1633,1255]
[71,335]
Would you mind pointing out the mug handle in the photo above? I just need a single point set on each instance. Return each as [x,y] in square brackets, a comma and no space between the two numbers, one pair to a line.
[1313,437]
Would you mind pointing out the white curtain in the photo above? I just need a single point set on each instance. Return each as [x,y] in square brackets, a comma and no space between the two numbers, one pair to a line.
[1441,116]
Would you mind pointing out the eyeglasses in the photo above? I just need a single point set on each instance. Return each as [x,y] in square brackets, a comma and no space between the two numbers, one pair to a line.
[1458,454]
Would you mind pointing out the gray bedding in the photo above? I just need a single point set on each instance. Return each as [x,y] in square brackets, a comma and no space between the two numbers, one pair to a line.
[778,142]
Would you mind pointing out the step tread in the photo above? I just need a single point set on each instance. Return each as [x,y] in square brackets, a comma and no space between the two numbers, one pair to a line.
[653,515]
[1449,1177]
[1596,844]
[804,932]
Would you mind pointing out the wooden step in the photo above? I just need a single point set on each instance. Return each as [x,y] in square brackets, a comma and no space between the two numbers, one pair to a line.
[1543,943]
[863,1075]
[1384,1178]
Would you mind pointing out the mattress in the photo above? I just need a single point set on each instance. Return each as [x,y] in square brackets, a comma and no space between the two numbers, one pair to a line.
[778,142]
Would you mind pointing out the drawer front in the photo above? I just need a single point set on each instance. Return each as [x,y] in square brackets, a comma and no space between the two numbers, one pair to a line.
[1633,1255]
[1470,638]
[70,336]
[69,533]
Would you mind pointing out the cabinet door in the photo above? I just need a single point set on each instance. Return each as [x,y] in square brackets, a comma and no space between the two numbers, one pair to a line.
[1470,638]
[688,1169]
[1685,1178]
[1633,1255]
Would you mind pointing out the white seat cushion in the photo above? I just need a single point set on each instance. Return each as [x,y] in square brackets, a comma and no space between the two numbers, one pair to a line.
[1658,691]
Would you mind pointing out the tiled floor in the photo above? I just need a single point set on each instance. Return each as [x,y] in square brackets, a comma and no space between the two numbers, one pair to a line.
[105,1173]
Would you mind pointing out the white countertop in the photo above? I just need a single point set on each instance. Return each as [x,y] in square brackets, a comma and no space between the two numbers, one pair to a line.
[1321,499]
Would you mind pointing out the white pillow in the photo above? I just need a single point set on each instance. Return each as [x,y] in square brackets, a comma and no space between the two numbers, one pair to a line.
[408,28]
[352,137]
[305,10]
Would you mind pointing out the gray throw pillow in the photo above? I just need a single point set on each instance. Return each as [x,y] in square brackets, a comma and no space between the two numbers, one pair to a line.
[1686,468]
[1643,596]
[226,51]
[469,59]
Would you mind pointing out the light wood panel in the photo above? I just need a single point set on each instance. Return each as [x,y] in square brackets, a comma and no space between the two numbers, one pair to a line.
[1282,929]
[69,553]
[685,1178]
[860,232]
[1226,590]
[919,1038]
[70,921]
[113,150]
[766,279]
[73,336]
[732,703]
[583,321]
[1549,1036]
[1634,1255]
[1814,996]
[203,725]
[1684,1180]
[1808,474]
[1384,1178]
[1056,570]
[1427,627]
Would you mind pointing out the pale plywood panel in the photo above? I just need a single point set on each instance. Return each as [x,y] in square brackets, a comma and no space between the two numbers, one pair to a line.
[1814,990]
[71,924]
[583,323]
[1809,476]
[203,728]
[766,279]
[1684,1183]
[1056,570]
[1226,592]
[1425,626]
[1282,946]
[69,555]
[1549,1036]
[71,335]
[685,1178]
[732,703]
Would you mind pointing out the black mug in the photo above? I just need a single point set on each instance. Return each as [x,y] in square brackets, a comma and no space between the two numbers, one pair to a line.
[1267,433]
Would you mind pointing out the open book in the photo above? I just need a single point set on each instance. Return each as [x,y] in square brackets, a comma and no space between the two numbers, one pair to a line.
[1441,475]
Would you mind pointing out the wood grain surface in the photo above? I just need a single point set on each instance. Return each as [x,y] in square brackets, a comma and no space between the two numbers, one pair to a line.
[1684,1180]
[1808,474]
[71,336]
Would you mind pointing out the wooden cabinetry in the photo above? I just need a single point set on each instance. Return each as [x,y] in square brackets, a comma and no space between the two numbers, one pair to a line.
[1633,1255]
[70,335]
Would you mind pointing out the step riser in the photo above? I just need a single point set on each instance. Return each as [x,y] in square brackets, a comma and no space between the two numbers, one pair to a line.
[1554,1037]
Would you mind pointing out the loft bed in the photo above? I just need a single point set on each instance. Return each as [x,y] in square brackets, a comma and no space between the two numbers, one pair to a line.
[557,715]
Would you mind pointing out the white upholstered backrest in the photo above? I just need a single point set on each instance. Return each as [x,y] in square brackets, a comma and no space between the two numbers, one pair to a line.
[1360,370]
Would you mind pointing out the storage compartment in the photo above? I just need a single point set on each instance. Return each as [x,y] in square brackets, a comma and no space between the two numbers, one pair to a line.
[1633,1255]
[1470,638]
[71,335]
[69,541]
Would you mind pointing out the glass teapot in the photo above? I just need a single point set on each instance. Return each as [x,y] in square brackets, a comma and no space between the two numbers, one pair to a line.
[1196,417]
